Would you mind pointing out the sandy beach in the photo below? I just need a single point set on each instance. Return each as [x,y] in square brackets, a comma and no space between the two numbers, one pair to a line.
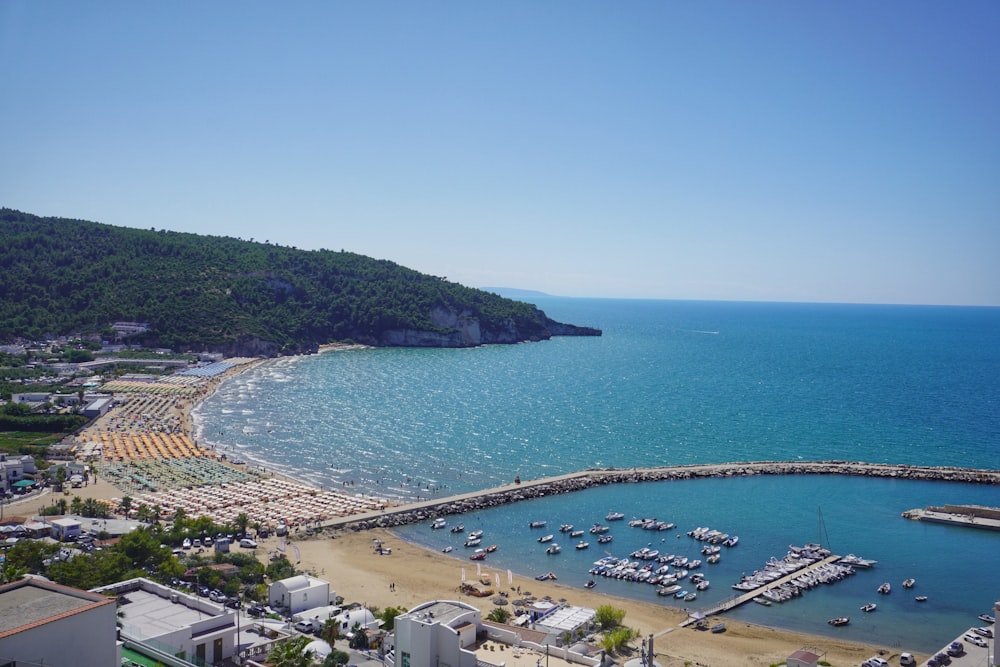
[411,575]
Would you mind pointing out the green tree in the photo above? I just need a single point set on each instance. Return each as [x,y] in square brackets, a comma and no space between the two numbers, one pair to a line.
[291,653]
[615,639]
[608,616]
[336,658]
[388,617]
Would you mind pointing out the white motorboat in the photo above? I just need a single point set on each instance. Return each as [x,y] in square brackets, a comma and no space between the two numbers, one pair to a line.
[546,538]
[582,544]
[871,606]
[614,516]
[553,549]
[439,523]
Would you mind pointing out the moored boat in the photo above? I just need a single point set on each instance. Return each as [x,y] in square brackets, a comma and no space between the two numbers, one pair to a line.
[537,524]
[604,539]
[490,549]
[590,583]
[447,550]
[553,549]
[473,542]
[871,606]
[475,534]
[582,544]
[839,621]
[479,554]
[908,583]
[438,523]
[546,538]
[458,529]
[614,516]
[885,588]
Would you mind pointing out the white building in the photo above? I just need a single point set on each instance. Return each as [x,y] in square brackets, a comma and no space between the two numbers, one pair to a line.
[65,528]
[42,623]
[299,593]
[437,634]
[155,615]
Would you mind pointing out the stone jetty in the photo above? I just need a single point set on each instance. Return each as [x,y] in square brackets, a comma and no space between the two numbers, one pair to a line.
[586,479]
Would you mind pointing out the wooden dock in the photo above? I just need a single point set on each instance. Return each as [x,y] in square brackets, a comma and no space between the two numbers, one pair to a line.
[742,598]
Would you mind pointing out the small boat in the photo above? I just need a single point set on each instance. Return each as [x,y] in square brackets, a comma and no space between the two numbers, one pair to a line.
[575,533]
[871,606]
[476,534]
[702,585]
[839,621]
[762,601]
[681,594]
[582,545]
[537,524]
[668,590]
[721,627]
[546,538]
[604,539]
[908,583]
[490,549]
[691,597]
[565,528]
[713,559]
[598,529]
[474,542]
[614,516]
[480,554]
[553,549]
[447,550]
[885,588]
[548,576]
[458,529]
[921,598]
[986,618]
[590,584]
[732,541]
[438,523]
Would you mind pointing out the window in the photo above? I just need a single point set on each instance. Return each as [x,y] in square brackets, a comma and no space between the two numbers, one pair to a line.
[406,659]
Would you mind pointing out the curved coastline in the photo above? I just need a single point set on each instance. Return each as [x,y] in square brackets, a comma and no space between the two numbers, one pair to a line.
[585,479]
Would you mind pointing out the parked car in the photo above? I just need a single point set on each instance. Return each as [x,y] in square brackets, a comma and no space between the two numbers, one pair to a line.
[308,626]
[955,649]
[247,543]
[257,610]
[907,660]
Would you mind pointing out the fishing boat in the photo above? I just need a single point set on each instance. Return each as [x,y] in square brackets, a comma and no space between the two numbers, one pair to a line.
[871,606]
[839,621]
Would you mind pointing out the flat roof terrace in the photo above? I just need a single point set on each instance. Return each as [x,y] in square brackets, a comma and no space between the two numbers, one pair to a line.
[149,615]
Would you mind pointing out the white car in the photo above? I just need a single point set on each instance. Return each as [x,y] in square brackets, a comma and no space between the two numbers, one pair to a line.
[974,639]
[247,543]
[875,661]
[906,659]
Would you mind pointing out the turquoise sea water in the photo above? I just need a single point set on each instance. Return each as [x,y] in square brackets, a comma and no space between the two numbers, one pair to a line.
[673,383]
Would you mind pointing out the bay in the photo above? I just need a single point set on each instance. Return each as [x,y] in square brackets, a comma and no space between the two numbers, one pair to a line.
[669,383]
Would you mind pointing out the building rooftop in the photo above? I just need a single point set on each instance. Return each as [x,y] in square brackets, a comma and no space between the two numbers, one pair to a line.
[147,614]
[31,601]
[440,611]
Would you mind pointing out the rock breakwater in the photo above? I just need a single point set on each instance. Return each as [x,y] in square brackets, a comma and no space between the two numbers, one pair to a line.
[586,479]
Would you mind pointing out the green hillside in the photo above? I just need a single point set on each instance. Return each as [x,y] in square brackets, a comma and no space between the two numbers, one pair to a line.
[60,276]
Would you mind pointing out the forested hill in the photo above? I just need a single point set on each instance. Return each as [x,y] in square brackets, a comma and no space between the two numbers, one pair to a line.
[62,277]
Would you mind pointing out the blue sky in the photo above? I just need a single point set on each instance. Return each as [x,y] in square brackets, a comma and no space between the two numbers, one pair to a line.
[791,151]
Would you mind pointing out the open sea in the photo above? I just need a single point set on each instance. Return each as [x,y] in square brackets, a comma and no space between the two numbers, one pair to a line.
[672,383]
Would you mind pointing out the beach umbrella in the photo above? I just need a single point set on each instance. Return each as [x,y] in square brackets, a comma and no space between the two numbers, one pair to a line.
[500,601]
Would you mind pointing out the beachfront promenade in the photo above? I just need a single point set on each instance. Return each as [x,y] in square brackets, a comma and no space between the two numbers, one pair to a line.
[577,481]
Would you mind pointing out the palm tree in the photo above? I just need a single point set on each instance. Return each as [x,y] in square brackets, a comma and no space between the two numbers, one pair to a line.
[76,505]
[125,505]
[241,522]
[498,615]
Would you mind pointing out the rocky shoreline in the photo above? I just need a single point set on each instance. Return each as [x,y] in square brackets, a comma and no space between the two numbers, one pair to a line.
[586,479]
